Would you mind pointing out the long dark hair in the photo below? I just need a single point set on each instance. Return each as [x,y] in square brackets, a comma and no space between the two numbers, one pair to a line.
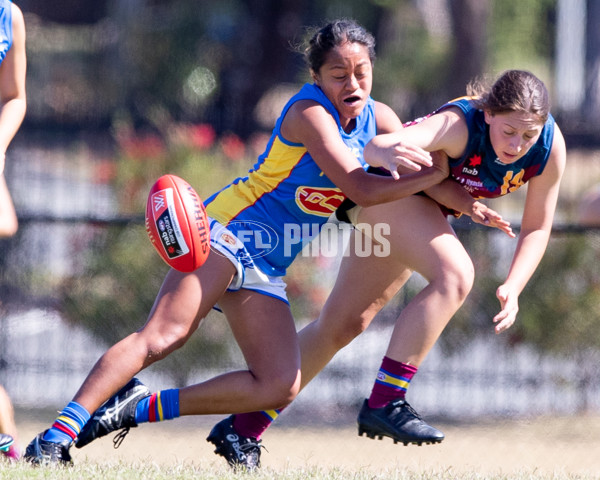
[335,33]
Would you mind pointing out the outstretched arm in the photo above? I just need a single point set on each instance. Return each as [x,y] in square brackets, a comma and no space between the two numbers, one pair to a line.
[444,134]
[308,123]
[538,215]
[445,131]
[450,194]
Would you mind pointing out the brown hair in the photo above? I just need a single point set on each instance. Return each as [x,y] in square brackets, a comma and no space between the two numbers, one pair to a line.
[513,91]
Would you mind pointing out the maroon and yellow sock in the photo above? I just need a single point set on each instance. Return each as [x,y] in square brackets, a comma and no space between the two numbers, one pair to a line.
[254,424]
[393,379]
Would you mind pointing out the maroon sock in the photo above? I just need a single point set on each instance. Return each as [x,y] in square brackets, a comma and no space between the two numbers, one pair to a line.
[392,382]
[254,424]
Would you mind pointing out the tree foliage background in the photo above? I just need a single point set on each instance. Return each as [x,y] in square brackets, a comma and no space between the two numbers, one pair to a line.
[151,61]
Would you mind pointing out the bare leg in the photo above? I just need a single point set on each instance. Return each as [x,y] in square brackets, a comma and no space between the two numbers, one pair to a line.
[363,287]
[183,300]
[262,325]
[8,217]
[427,244]
[319,341]
[264,329]
[421,240]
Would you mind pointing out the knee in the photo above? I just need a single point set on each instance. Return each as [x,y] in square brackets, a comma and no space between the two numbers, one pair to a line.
[458,280]
[158,346]
[466,278]
[346,328]
[283,389]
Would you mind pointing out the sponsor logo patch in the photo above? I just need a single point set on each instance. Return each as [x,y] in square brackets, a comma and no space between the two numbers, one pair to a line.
[319,201]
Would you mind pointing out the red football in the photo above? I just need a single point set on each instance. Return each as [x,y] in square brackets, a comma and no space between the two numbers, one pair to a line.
[177,223]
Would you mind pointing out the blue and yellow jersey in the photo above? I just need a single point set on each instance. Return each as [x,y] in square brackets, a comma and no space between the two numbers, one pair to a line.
[285,199]
[6,35]
[480,172]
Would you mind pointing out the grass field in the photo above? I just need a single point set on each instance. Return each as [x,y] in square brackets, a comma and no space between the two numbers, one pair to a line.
[543,448]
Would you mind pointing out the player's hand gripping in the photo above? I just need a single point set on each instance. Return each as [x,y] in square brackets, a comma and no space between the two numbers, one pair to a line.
[484,215]
[398,158]
[509,303]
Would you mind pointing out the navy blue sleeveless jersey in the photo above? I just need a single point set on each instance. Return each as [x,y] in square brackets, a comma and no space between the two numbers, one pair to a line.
[480,172]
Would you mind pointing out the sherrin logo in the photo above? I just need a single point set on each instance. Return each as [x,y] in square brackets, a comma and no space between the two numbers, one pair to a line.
[319,201]
[195,205]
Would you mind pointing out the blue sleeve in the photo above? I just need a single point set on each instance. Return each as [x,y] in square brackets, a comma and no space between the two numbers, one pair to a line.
[5,28]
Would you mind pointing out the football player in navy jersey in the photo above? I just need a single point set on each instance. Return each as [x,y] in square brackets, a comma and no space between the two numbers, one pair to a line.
[496,140]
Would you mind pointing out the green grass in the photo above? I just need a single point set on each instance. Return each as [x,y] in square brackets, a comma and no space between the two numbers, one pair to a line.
[544,448]
[146,471]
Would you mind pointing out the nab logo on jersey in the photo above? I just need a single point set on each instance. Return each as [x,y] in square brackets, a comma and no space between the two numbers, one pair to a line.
[471,169]
[319,201]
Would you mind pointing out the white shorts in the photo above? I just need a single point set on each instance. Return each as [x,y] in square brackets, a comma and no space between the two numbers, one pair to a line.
[248,275]
[353,214]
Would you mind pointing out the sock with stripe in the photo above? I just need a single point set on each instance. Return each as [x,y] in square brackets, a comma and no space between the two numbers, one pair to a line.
[159,406]
[254,424]
[393,379]
[68,424]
